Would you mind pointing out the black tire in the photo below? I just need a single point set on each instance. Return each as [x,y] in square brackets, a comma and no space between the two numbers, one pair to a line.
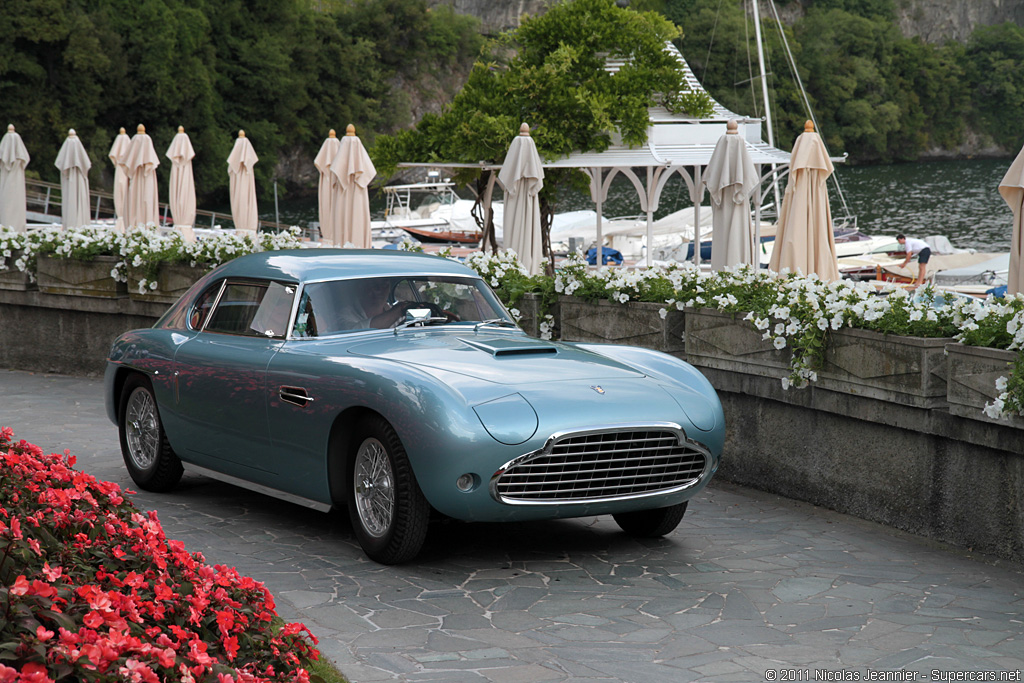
[388,510]
[152,464]
[651,523]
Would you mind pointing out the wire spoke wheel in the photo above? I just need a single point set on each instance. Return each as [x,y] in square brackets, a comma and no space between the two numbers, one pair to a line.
[142,429]
[388,510]
[374,488]
[147,453]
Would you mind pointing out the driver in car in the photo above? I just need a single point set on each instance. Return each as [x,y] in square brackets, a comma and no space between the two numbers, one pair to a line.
[369,307]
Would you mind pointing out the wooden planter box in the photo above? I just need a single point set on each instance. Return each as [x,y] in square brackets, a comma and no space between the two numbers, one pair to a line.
[973,371]
[634,323]
[173,280]
[80,278]
[906,370]
[13,279]
[725,341]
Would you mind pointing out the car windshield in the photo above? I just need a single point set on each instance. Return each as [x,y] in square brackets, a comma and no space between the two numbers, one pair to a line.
[342,306]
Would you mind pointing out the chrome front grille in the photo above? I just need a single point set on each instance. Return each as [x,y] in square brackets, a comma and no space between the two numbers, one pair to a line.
[603,465]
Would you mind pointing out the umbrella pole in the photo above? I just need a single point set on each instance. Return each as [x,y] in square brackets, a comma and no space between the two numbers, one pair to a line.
[277,214]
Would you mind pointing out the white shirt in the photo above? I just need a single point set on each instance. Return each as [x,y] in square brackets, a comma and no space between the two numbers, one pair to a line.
[912,245]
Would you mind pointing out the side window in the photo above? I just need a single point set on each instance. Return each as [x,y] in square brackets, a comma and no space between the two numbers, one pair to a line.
[201,308]
[252,309]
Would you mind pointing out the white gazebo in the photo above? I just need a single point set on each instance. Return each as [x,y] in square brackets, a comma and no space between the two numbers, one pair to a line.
[676,143]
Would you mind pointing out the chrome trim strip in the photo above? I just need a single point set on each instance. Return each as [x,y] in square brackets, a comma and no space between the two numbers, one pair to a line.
[551,441]
[259,488]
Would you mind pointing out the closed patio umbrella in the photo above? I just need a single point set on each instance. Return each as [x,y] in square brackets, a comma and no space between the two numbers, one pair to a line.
[522,177]
[353,172]
[143,201]
[119,157]
[182,194]
[1012,190]
[13,160]
[325,193]
[803,237]
[74,165]
[242,187]
[730,178]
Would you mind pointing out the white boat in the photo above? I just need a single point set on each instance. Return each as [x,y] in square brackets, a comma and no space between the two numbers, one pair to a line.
[429,212]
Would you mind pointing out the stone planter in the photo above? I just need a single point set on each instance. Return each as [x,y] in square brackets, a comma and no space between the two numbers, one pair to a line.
[13,279]
[906,370]
[79,278]
[172,280]
[530,316]
[725,341]
[973,371]
[634,323]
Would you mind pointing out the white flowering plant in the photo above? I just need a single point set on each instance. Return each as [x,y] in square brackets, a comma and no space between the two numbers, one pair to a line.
[997,324]
[140,249]
[511,281]
[790,310]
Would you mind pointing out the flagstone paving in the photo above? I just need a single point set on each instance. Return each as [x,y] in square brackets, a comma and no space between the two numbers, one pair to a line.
[750,587]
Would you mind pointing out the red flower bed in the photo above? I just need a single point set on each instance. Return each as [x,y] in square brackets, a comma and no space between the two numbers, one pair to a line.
[92,590]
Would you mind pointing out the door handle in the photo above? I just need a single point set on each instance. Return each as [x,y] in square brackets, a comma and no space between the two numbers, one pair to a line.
[296,396]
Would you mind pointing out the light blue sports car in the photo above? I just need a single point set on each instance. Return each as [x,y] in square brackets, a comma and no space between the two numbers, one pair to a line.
[396,384]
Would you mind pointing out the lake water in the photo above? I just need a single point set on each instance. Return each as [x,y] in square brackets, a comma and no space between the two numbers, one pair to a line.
[958,199]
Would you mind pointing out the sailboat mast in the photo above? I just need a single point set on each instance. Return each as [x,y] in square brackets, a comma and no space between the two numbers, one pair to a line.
[764,77]
[764,95]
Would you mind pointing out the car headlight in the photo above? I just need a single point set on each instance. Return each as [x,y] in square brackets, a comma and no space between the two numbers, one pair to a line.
[697,407]
[509,419]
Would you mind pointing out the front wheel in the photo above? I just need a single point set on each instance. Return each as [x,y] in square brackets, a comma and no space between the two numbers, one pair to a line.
[388,510]
[651,523]
[147,454]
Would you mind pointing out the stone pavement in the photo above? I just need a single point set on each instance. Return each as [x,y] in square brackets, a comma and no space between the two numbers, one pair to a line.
[750,587]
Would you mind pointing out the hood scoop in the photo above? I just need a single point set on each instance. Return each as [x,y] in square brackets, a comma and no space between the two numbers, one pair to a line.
[503,348]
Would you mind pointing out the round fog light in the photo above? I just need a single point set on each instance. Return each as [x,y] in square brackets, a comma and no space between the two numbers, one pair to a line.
[465,482]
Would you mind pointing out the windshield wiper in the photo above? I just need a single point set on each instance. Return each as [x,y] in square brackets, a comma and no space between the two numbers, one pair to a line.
[501,322]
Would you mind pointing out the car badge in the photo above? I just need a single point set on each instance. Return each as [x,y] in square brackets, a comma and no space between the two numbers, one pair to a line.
[597,389]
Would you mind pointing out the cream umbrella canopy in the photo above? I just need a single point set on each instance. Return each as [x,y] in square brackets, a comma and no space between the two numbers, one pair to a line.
[325,194]
[182,193]
[522,177]
[119,157]
[74,165]
[1012,190]
[352,172]
[803,237]
[13,160]
[143,201]
[730,178]
[242,187]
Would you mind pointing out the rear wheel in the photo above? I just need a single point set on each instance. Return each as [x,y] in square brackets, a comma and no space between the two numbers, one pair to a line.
[651,523]
[147,454]
[388,510]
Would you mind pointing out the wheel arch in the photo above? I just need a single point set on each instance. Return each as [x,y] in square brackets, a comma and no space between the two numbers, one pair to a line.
[340,445]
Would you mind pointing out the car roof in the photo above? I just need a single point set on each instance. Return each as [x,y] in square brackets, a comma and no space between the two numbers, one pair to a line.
[307,265]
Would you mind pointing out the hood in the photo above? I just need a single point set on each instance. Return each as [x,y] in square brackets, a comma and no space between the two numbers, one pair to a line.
[499,358]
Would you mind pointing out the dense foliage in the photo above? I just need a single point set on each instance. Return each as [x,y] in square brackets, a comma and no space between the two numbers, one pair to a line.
[282,70]
[877,95]
[92,590]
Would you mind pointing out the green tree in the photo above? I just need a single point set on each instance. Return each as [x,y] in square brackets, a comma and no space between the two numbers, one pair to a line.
[995,70]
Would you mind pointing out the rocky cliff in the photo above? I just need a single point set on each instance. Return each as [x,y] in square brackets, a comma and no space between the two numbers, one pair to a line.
[933,20]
